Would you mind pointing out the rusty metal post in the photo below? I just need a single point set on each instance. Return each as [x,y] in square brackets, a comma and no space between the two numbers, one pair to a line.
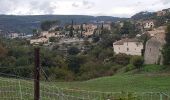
[37,74]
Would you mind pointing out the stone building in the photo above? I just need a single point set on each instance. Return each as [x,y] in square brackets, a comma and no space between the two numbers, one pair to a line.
[160,13]
[128,46]
[148,24]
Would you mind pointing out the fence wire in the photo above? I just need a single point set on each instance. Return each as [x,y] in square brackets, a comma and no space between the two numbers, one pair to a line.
[16,89]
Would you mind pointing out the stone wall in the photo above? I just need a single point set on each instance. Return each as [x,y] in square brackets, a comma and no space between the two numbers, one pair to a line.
[153,51]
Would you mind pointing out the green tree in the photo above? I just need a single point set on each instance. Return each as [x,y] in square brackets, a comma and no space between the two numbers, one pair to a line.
[82,29]
[73,50]
[128,29]
[122,59]
[74,63]
[3,51]
[71,33]
[137,61]
[107,39]
[35,32]
[46,25]
[52,39]
[144,38]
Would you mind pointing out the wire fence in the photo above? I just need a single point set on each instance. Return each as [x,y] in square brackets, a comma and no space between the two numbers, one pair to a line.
[17,89]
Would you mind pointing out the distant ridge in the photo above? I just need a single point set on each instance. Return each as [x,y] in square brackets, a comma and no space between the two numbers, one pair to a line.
[26,23]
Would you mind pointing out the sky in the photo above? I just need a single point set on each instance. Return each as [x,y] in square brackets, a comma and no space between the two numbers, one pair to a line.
[116,8]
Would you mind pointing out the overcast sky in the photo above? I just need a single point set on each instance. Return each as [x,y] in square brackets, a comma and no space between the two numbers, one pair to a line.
[118,8]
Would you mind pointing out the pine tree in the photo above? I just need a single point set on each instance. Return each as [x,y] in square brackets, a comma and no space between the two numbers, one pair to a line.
[71,30]
[81,28]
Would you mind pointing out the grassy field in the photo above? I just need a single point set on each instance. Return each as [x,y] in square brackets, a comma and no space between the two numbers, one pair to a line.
[50,90]
[127,83]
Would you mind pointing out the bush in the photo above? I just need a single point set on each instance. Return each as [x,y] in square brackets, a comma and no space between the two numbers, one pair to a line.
[52,39]
[129,67]
[137,61]
[73,51]
[56,73]
[3,51]
[122,59]
[153,68]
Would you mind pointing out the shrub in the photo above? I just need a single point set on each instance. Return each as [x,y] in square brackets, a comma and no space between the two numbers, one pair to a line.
[137,61]
[52,39]
[3,51]
[56,73]
[122,59]
[73,50]
[129,67]
[153,68]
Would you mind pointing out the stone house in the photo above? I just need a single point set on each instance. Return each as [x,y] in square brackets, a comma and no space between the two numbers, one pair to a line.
[107,26]
[128,46]
[160,13]
[89,29]
[148,24]
[156,31]
[13,35]
[39,40]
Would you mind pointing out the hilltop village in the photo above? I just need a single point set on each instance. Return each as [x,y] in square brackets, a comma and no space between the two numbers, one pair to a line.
[129,41]
[81,51]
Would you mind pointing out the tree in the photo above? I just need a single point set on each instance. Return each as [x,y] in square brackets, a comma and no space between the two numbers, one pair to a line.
[71,34]
[82,29]
[3,51]
[73,50]
[35,32]
[106,54]
[122,59]
[52,39]
[46,25]
[107,39]
[137,61]
[144,38]
[128,29]
[74,63]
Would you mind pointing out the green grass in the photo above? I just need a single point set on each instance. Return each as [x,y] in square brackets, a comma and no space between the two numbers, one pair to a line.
[127,83]
[153,68]
[50,90]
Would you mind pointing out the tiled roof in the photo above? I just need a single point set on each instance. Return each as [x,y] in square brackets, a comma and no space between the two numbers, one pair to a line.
[120,42]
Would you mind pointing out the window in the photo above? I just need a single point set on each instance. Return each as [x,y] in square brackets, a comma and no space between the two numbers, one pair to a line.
[127,49]
[150,49]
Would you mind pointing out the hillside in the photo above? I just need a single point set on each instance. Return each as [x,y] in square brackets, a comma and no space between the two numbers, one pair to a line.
[27,23]
[128,83]
[146,87]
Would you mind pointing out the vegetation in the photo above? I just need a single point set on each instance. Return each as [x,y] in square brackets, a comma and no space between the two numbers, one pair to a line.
[143,15]
[72,65]
[46,25]
[127,83]
[137,61]
[71,34]
[26,24]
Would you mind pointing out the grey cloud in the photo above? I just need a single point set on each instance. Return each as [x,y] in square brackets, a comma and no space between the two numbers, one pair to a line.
[43,7]
[6,6]
[75,5]
[88,4]
[165,1]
